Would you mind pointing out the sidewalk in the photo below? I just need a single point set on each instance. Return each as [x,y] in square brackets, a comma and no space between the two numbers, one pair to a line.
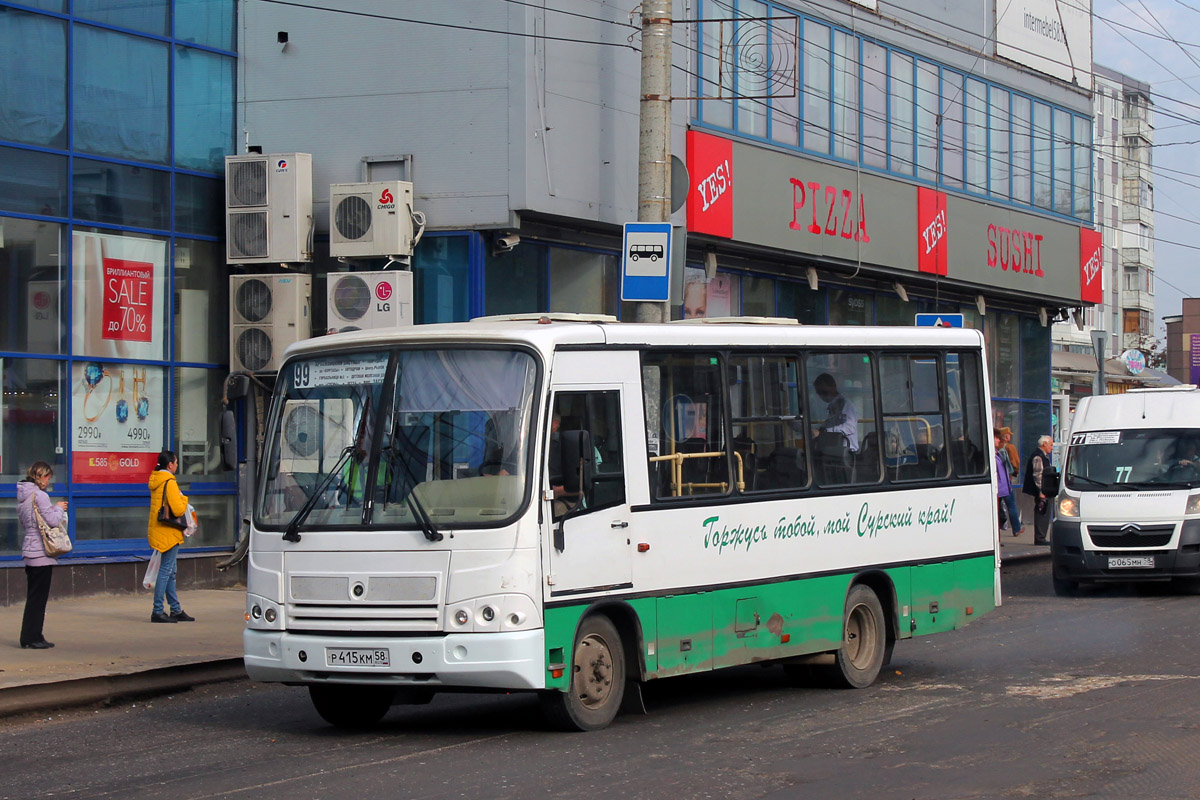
[1017,548]
[106,646]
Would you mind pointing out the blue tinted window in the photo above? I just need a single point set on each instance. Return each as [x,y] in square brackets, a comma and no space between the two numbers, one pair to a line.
[441,267]
[203,109]
[207,22]
[199,205]
[120,95]
[32,182]
[33,78]
[121,195]
[138,15]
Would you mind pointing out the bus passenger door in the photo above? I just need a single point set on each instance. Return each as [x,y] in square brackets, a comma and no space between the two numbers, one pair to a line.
[589,530]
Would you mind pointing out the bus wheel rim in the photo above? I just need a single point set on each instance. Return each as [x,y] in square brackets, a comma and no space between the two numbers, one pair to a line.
[593,671]
[860,637]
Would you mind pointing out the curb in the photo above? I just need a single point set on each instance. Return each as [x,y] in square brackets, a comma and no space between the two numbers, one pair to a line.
[106,688]
[1027,555]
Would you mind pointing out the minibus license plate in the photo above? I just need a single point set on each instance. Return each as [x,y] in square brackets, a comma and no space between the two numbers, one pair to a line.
[357,657]
[1118,562]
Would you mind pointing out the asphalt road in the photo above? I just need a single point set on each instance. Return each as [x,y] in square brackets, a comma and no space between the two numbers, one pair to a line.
[1046,697]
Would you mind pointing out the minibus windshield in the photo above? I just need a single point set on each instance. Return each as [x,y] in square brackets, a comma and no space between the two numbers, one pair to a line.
[1134,459]
[441,442]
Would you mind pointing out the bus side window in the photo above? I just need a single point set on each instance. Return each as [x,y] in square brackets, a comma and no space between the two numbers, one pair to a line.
[912,417]
[768,432]
[685,424]
[843,422]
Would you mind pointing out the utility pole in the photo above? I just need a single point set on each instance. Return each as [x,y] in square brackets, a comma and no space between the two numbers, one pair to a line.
[654,139]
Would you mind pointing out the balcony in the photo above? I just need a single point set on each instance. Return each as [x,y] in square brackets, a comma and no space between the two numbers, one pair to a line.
[1133,126]
[1136,298]
[1137,258]
[1131,212]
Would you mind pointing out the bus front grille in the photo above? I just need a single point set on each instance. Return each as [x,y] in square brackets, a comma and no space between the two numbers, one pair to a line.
[1106,536]
[360,618]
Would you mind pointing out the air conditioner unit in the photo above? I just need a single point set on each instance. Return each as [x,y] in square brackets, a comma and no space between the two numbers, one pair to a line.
[370,219]
[368,300]
[266,314]
[268,208]
[314,433]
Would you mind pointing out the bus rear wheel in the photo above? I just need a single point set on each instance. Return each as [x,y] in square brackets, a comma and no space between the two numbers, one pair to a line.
[597,680]
[351,707]
[864,640]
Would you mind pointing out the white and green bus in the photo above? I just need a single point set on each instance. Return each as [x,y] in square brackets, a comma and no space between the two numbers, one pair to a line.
[574,506]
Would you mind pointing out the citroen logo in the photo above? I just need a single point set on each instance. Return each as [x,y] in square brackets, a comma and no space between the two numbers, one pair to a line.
[1132,527]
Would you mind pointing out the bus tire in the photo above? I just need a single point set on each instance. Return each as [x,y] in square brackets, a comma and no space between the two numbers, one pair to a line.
[864,640]
[1064,587]
[597,680]
[351,707]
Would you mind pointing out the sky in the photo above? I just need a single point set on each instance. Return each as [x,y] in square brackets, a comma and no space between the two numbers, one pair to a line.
[1173,72]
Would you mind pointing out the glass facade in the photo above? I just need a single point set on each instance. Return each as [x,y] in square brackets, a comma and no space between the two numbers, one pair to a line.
[864,102]
[113,344]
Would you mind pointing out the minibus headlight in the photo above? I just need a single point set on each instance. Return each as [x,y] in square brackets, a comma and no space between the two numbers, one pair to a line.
[1193,504]
[1068,506]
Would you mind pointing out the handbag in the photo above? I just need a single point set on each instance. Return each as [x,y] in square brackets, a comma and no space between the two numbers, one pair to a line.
[55,541]
[166,517]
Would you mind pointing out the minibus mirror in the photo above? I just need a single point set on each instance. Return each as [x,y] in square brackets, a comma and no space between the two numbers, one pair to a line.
[237,386]
[228,433]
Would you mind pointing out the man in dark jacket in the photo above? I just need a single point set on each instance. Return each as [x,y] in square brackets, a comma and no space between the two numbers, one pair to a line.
[1038,474]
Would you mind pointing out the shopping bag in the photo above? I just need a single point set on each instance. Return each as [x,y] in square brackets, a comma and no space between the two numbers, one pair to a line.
[193,522]
[151,576]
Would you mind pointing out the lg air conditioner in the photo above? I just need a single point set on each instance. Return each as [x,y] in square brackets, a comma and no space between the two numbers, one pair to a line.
[314,433]
[368,300]
[369,220]
[266,314]
[268,208]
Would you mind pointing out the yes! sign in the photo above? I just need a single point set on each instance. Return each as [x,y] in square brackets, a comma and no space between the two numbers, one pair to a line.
[1091,266]
[710,197]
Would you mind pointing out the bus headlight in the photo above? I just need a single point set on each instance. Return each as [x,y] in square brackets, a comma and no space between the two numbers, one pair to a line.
[262,614]
[1068,506]
[1193,504]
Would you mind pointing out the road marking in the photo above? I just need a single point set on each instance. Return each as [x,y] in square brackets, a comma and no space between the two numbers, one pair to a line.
[1057,688]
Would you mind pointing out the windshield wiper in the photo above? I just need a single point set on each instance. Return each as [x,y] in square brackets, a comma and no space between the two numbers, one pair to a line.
[1154,484]
[292,532]
[1092,481]
[422,516]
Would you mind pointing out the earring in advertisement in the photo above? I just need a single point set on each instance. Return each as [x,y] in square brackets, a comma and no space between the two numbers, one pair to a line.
[122,404]
[140,400]
[93,374]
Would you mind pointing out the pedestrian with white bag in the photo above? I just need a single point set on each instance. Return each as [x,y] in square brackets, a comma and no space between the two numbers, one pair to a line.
[168,520]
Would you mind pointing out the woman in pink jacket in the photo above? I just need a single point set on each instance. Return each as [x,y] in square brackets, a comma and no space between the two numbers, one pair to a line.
[31,491]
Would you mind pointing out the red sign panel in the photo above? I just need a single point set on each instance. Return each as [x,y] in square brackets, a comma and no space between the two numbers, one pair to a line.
[100,467]
[128,300]
[1091,266]
[933,235]
[710,197]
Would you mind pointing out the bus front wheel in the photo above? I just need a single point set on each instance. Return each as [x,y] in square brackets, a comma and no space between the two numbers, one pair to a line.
[351,707]
[864,640]
[597,680]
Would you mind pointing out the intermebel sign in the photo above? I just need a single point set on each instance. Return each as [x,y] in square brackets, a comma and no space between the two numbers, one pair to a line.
[757,196]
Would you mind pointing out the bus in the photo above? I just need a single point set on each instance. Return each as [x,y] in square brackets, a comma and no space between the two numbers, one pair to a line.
[575,506]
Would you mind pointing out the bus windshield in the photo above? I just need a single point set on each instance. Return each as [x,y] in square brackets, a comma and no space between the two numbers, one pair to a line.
[441,442]
[1162,458]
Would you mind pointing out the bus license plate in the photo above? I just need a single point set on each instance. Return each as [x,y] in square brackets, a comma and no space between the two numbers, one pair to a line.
[356,657]
[1121,562]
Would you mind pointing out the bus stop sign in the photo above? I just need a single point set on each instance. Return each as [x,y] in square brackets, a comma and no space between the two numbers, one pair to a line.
[646,262]
[939,320]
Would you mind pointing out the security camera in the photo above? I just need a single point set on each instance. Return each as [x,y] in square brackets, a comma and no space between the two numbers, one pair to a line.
[505,244]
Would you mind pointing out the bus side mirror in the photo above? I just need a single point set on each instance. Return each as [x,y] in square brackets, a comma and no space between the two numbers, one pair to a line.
[228,433]
[237,386]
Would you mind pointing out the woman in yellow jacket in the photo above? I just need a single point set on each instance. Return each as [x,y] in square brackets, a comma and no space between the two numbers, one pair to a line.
[165,538]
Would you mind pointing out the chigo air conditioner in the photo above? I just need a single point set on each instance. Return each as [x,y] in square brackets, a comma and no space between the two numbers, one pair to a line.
[369,220]
[268,208]
[314,433]
[369,300]
[266,314]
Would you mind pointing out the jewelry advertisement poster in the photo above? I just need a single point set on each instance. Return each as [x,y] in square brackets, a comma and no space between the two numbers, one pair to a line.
[117,296]
[117,421]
